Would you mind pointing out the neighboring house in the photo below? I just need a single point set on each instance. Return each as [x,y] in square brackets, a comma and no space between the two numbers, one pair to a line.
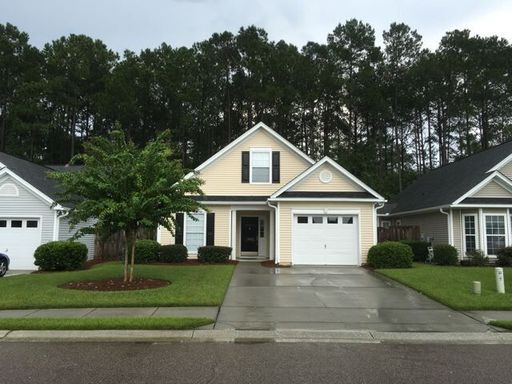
[465,203]
[28,217]
[268,200]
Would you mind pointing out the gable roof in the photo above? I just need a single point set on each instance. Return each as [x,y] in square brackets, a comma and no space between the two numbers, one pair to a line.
[369,194]
[257,127]
[446,185]
[33,174]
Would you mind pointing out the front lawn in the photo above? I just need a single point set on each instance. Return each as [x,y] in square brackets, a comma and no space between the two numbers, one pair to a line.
[507,324]
[190,286]
[99,323]
[452,285]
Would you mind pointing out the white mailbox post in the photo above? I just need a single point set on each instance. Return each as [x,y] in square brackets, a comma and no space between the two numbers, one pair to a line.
[500,280]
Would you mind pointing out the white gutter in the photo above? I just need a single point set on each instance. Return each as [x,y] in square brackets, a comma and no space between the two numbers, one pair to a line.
[375,223]
[450,225]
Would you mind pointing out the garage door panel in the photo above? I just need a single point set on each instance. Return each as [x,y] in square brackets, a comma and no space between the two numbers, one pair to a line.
[332,242]
[19,238]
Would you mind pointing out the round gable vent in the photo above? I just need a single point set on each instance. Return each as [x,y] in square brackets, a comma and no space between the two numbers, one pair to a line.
[325,176]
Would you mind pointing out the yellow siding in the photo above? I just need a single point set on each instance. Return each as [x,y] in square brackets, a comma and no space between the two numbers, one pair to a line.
[222,219]
[223,176]
[507,170]
[492,189]
[339,182]
[366,224]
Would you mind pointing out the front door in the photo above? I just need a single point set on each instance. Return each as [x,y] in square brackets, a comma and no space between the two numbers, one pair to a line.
[249,234]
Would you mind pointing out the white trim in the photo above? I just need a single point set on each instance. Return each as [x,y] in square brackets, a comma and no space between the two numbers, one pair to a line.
[30,187]
[414,211]
[278,235]
[336,166]
[159,234]
[500,164]
[357,200]
[12,185]
[375,221]
[481,229]
[185,215]
[261,150]
[481,205]
[232,235]
[244,136]
[505,183]
[56,224]
[504,215]
[234,202]
[463,226]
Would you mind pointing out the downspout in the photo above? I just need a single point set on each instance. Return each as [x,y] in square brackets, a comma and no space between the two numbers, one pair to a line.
[450,226]
[377,206]
[276,231]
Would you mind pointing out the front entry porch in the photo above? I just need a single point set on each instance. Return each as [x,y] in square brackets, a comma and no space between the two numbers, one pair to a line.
[252,234]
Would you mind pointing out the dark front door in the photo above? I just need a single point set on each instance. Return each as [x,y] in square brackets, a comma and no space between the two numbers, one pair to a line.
[249,241]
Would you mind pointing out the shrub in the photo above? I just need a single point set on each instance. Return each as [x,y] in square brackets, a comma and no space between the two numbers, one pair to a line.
[146,251]
[213,254]
[504,257]
[419,249]
[445,254]
[174,253]
[390,254]
[476,258]
[60,256]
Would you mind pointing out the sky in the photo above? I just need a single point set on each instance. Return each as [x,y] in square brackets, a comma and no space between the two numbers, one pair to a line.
[138,24]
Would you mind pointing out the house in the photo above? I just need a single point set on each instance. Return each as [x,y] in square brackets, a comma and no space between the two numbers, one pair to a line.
[268,200]
[28,214]
[465,203]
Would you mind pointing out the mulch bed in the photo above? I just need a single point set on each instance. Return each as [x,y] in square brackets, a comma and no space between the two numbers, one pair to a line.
[116,284]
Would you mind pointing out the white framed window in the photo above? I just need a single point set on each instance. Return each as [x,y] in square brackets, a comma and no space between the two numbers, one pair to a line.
[261,166]
[470,239]
[195,231]
[495,233]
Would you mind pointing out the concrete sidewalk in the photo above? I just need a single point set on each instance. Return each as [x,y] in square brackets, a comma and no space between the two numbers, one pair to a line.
[275,336]
[209,312]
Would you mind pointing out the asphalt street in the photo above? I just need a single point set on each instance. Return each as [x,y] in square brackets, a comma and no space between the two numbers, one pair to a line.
[253,363]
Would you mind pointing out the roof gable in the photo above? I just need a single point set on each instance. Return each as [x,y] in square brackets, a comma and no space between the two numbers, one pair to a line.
[326,178]
[351,184]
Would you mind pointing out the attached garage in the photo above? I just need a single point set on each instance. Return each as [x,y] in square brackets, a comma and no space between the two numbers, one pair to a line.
[19,238]
[331,239]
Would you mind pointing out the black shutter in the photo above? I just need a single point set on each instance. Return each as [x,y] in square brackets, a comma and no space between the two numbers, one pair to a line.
[210,228]
[276,167]
[178,238]
[245,166]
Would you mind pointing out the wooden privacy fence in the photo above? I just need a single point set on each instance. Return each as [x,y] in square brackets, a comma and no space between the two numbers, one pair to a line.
[113,247]
[398,233]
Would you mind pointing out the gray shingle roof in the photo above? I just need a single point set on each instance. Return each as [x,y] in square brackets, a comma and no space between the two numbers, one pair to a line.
[444,185]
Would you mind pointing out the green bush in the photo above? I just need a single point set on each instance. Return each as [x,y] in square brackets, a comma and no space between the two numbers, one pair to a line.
[419,249]
[476,258]
[445,254]
[390,254]
[146,251]
[504,257]
[60,256]
[174,253]
[213,254]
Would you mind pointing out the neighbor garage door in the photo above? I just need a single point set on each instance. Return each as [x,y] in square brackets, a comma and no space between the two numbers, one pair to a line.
[325,239]
[19,238]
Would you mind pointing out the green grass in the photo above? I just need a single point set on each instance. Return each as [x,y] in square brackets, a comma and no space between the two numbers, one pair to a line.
[507,324]
[452,285]
[190,286]
[39,323]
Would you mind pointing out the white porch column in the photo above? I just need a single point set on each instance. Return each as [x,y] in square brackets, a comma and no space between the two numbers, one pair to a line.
[233,226]
[481,230]
[272,235]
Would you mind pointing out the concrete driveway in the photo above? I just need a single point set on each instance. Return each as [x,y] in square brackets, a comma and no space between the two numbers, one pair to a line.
[331,298]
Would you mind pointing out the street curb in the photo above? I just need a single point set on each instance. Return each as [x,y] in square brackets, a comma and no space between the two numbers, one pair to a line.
[253,336]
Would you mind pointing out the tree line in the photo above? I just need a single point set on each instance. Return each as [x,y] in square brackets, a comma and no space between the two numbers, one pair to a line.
[386,113]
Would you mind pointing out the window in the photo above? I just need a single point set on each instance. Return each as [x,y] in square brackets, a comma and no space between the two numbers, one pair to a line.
[16,223]
[332,220]
[302,219]
[194,231]
[31,223]
[495,233]
[347,220]
[3,223]
[260,166]
[470,233]
[317,219]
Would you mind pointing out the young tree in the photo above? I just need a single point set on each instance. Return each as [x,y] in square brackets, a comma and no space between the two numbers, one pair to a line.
[122,187]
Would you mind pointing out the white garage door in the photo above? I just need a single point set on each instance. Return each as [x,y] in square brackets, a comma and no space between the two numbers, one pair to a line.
[325,239]
[19,238]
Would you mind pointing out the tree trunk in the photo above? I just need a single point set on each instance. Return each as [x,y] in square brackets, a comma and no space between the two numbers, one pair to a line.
[132,250]
[125,279]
